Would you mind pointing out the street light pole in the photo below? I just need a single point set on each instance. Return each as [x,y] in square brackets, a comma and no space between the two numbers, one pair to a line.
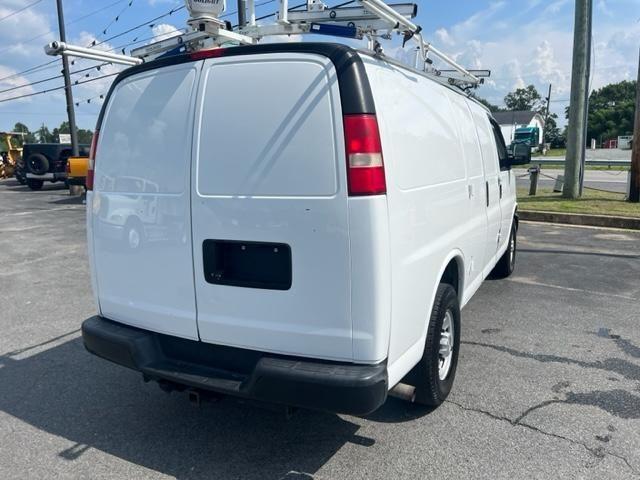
[67,84]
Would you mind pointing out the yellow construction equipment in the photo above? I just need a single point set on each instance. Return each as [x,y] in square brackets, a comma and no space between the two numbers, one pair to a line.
[13,156]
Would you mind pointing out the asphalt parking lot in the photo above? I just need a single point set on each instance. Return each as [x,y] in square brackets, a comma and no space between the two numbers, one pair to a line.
[548,383]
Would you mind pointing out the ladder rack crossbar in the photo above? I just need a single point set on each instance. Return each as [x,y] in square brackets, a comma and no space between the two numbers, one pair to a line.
[371,19]
[386,11]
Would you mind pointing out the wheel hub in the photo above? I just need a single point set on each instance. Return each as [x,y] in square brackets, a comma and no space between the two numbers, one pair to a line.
[134,239]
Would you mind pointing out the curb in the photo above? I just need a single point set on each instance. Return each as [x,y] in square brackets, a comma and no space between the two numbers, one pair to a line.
[580,219]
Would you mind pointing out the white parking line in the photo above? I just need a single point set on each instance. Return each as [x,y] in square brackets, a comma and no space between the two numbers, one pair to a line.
[528,281]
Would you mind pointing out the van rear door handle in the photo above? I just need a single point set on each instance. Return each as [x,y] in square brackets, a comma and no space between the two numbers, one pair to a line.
[486,184]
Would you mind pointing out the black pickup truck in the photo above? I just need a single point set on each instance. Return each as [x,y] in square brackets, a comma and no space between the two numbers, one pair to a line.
[46,162]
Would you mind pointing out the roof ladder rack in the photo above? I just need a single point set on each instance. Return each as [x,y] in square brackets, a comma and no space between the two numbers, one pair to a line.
[368,19]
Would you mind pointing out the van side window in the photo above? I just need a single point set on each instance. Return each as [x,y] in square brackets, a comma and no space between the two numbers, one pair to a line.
[502,149]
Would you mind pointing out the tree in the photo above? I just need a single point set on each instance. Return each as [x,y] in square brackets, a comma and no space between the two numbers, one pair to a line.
[486,103]
[611,111]
[28,138]
[44,135]
[84,136]
[552,133]
[525,99]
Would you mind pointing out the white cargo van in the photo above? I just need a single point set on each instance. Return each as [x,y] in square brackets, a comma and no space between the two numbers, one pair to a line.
[325,214]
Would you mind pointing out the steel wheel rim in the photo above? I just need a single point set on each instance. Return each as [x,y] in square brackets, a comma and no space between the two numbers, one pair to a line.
[512,249]
[134,238]
[445,351]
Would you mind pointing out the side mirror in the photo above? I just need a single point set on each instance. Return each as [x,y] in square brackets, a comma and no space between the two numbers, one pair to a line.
[520,154]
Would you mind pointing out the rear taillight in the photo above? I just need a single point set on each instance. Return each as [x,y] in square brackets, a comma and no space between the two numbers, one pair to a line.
[68,168]
[92,161]
[365,169]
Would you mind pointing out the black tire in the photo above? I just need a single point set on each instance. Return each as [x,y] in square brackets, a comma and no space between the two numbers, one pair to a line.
[37,164]
[20,174]
[507,262]
[431,390]
[34,184]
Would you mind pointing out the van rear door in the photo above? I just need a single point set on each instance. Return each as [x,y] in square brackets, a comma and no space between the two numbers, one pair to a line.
[140,216]
[270,226]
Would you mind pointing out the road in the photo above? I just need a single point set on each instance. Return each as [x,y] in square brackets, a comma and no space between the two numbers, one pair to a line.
[548,382]
[612,180]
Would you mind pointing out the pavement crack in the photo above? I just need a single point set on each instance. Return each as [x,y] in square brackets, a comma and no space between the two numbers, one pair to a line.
[598,452]
[534,408]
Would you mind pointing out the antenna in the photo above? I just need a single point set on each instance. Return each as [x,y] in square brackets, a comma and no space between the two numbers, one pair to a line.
[372,20]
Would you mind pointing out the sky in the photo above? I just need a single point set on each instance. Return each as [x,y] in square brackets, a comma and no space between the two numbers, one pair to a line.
[521,41]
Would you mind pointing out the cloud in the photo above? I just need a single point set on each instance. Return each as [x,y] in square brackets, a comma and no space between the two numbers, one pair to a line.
[17,30]
[21,26]
[14,81]
[443,37]
[163,31]
[533,45]
[546,67]
[604,8]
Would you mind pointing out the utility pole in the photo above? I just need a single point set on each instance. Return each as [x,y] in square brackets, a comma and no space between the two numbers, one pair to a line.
[576,140]
[67,84]
[583,159]
[546,117]
[634,190]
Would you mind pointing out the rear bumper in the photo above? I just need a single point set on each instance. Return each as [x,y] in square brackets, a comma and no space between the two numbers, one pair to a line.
[76,180]
[48,176]
[337,387]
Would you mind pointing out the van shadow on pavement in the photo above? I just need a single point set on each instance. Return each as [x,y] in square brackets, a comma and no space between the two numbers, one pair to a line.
[67,392]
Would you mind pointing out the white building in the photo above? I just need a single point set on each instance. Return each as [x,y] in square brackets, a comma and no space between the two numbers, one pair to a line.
[509,121]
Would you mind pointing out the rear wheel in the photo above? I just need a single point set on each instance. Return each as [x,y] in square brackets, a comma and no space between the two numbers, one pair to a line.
[507,262]
[34,184]
[133,235]
[433,376]
[19,174]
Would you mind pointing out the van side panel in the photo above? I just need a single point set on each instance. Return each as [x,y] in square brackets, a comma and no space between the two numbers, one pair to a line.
[429,215]
[492,185]
[274,174]
[141,226]
[474,242]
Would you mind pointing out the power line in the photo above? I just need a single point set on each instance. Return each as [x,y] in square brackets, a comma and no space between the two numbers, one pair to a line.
[20,10]
[144,24]
[28,70]
[135,40]
[71,22]
[114,20]
[148,22]
[88,100]
[56,88]
[52,78]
